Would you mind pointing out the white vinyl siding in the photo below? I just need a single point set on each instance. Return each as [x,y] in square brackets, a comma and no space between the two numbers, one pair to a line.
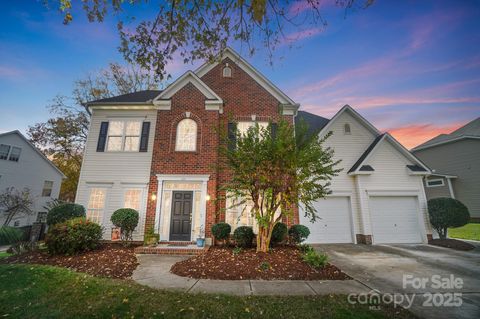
[31,171]
[120,170]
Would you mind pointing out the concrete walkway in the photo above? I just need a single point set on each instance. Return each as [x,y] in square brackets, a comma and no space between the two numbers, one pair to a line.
[154,271]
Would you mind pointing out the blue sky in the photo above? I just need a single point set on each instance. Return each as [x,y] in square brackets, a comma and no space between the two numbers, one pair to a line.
[410,67]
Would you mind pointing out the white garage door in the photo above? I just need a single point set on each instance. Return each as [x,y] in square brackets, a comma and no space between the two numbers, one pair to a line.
[334,224]
[395,219]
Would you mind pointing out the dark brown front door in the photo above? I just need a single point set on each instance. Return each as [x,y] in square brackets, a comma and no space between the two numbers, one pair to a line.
[181,219]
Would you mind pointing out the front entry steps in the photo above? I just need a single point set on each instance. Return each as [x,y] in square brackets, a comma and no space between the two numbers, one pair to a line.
[172,248]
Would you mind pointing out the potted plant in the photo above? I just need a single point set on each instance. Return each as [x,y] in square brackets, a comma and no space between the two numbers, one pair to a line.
[201,237]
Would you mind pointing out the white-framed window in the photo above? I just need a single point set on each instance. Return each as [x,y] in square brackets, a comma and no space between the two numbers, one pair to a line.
[243,126]
[124,136]
[133,198]
[435,182]
[47,188]
[227,71]
[42,217]
[186,140]
[96,204]
[4,150]
[346,129]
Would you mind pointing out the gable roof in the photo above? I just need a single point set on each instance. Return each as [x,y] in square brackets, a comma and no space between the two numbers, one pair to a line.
[348,109]
[250,70]
[35,149]
[135,97]
[213,101]
[470,130]
[315,122]
[418,167]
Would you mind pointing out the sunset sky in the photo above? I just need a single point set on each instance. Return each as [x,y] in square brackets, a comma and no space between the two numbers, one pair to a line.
[410,67]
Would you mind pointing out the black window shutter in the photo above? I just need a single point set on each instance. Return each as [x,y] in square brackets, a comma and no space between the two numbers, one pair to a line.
[102,137]
[273,127]
[144,137]
[232,136]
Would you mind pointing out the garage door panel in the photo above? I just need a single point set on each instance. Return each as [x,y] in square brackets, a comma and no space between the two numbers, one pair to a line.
[395,219]
[334,222]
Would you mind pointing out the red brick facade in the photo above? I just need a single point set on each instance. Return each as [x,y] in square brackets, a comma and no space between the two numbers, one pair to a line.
[242,96]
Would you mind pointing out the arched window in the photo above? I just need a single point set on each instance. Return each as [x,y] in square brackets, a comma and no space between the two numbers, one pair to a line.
[186,136]
[227,71]
[347,129]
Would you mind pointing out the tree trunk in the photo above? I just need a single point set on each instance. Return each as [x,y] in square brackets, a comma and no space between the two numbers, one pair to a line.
[263,239]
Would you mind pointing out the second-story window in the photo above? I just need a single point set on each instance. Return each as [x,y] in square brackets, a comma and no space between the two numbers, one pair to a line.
[4,150]
[123,136]
[15,154]
[186,140]
[243,127]
[47,189]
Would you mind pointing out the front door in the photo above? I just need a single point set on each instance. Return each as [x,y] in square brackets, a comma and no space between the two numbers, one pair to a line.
[181,219]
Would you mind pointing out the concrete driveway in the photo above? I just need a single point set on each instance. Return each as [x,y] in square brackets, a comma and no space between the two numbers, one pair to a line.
[383,267]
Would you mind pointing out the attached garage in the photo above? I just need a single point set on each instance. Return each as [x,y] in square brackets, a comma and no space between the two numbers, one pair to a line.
[334,224]
[395,219]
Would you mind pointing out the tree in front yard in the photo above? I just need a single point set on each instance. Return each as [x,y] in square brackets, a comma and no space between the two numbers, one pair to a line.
[275,169]
[14,202]
[445,213]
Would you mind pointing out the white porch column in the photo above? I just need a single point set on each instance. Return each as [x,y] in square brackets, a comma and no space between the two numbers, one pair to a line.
[203,206]
[158,220]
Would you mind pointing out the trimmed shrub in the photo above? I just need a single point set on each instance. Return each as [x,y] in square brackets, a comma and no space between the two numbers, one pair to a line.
[64,212]
[127,220]
[298,233]
[279,233]
[315,259]
[73,236]
[10,235]
[221,231]
[445,213]
[243,236]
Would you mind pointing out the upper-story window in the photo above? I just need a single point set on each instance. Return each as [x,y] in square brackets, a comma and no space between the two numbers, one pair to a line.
[15,154]
[186,140]
[227,71]
[4,150]
[123,136]
[243,127]
[47,189]
[11,153]
[346,129]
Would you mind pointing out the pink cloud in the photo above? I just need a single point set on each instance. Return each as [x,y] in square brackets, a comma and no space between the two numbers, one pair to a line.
[415,134]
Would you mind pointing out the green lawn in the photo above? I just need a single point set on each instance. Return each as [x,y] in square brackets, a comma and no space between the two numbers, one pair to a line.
[469,231]
[4,254]
[30,291]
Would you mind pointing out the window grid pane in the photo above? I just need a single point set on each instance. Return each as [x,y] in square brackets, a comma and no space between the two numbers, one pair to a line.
[47,189]
[4,149]
[15,154]
[186,135]
[96,204]
[133,199]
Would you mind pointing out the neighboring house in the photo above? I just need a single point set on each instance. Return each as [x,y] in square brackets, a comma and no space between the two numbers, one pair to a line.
[455,161]
[22,165]
[156,151]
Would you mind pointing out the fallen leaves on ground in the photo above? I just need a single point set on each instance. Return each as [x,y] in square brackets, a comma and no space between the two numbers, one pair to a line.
[111,260]
[283,262]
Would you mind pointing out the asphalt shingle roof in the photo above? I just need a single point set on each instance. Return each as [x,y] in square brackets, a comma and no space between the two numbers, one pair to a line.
[470,129]
[315,122]
[135,97]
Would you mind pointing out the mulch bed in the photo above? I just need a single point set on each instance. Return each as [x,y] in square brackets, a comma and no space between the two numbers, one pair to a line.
[452,243]
[283,263]
[111,260]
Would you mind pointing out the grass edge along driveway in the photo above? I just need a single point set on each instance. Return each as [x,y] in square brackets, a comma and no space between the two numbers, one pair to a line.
[470,231]
[33,291]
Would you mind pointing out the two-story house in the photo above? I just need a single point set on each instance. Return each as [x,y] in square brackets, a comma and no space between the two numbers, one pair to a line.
[155,151]
[22,166]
